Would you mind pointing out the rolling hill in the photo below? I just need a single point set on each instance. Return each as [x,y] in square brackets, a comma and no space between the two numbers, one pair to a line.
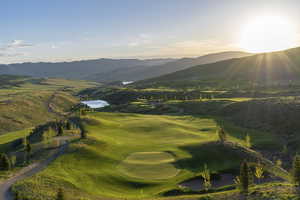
[109,70]
[280,67]
[141,72]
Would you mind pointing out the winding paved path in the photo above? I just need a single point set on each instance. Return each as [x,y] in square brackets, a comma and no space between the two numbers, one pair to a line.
[5,192]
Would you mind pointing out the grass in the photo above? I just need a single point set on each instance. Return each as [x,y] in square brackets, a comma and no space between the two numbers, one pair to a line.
[11,136]
[28,103]
[149,165]
[92,168]
[134,156]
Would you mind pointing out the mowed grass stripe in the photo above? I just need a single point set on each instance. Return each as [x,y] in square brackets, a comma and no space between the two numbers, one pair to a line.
[99,167]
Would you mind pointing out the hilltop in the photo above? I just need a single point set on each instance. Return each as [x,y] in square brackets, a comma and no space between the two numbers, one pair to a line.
[279,67]
[110,70]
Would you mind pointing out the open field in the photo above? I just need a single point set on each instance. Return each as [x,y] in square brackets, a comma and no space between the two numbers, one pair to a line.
[26,102]
[134,156]
[115,139]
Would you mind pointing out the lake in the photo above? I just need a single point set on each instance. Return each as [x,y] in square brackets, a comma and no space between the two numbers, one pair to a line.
[95,103]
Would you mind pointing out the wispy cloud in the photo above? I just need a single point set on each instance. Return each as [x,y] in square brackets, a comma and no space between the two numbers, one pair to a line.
[15,44]
[18,44]
[141,39]
[12,49]
[11,54]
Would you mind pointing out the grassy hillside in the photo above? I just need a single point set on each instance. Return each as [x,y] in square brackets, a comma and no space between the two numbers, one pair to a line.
[267,68]
[130,155]
[85,69]
[110,70]
[145,72]
[26,102]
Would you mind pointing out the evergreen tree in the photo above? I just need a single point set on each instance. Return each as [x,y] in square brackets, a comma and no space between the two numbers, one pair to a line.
[60,195]
[28,150]
[222,135]
[4,162]
[68,125]
[245,178]
[83,134]
[60,130]
[17,196]
[296,170]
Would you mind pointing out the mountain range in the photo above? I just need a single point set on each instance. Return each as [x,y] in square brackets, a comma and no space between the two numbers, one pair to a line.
[281,67]
[110,70]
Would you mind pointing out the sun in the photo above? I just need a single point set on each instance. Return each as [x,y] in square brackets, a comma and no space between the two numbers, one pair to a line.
[268,33]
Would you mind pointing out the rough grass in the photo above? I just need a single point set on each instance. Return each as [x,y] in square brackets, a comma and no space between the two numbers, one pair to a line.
[11,136]
[36,101]
[91,167]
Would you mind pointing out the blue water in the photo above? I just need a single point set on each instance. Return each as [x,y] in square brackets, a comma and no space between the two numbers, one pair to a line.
[96,103]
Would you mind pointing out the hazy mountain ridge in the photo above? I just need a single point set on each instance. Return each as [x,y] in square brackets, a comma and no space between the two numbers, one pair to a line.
[109,70]
[75,69]
[141,72]
[264,67]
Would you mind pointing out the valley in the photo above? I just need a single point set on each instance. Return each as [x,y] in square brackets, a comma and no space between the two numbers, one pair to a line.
[151,142]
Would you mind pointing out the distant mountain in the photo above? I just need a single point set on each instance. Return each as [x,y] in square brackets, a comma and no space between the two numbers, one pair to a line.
[144,72]
[77,69]
[110,70]
[281,66]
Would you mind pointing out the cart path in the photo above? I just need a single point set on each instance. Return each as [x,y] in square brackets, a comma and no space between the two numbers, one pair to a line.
[5,192]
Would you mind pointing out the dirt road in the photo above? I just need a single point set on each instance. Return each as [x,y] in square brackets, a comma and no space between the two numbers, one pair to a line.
[5,192]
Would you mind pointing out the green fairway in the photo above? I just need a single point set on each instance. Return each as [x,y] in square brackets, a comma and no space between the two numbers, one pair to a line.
[133,156]
[149,165]
[128,155]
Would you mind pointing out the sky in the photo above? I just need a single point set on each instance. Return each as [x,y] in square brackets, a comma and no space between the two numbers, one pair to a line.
[65,30]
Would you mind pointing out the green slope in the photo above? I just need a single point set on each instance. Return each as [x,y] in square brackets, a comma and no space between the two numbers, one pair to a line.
[268,68]
[26,101]
[132,156]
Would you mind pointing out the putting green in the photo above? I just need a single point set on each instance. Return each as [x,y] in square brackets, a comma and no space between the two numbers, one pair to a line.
[149,165]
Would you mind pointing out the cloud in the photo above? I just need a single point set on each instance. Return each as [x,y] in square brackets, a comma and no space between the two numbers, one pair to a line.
[141,39]
[11,54]
[15,44]
[18,44]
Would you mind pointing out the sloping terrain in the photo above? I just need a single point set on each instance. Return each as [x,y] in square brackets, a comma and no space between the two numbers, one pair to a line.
[129,155]
[110,70]
[268,68]
[140,72]
[26,102]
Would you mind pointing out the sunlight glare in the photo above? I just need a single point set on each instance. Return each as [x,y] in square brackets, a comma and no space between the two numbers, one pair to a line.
[268,33]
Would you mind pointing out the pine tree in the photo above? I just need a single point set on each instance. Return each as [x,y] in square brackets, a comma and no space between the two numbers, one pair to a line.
[4,162]
[83,134]
[28,150]
[60,195]
[245,178]
[222,135]
[296,170]
[60,130]
[68,125]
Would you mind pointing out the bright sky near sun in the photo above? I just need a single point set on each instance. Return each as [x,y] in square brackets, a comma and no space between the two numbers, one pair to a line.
[63,30]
